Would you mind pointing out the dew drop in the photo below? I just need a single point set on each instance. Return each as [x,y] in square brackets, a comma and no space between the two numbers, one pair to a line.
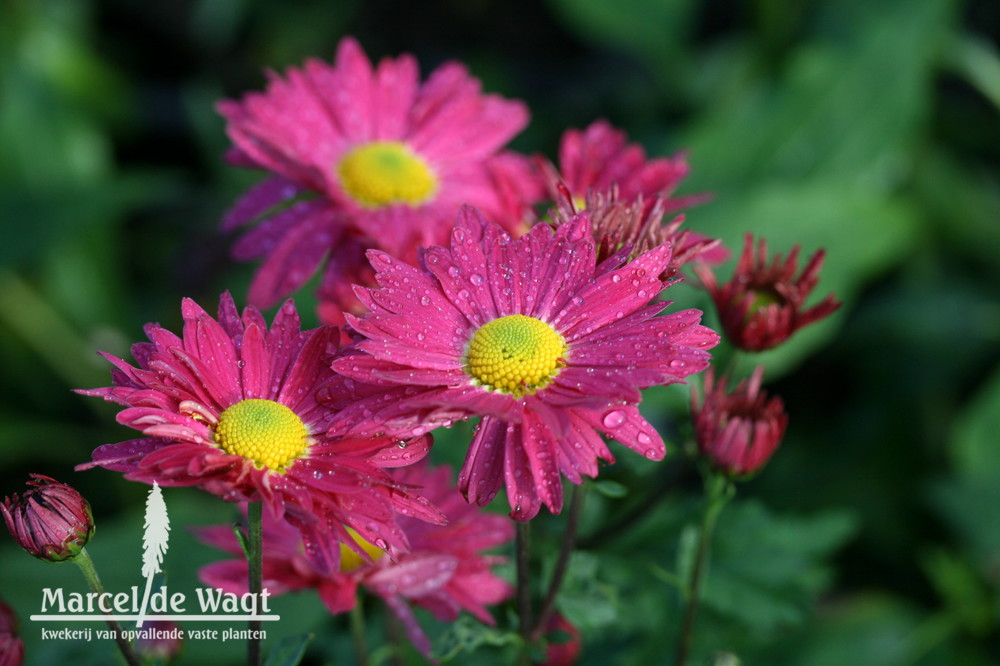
[476,279]
[614,419]
[424,300]
[454,271]
[644,438]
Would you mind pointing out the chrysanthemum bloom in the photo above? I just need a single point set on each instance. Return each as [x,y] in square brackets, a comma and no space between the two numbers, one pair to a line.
[738,431]
[11,646]
[638,224]
[600,157]
[762,306]
[388,160]
[231,407]
[50,520]
[445,570]
[533,335]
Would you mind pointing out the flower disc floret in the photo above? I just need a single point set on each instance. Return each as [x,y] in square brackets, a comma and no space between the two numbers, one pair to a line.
[383,173]
[349,560]
[266,432]
[515,354]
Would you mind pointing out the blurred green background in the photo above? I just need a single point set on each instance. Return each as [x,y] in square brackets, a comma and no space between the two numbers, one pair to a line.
[869,128]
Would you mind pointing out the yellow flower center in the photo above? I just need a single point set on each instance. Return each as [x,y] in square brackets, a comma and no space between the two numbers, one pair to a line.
[383,173]
[515,354]
[264,431]
[349,560]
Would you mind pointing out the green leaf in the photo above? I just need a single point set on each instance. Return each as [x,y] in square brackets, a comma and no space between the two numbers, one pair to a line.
[467,634]
[289,650]
[610,488]
[765,569]
[974,438]
[586,601]
[842,108]
[650,29]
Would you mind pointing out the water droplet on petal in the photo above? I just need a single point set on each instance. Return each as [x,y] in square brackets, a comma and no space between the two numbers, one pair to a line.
[614,419]
[476,279]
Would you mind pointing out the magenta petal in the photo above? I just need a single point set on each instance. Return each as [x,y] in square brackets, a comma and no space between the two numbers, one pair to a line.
[521,488]
[340,595]
[402,453]
[255,373]
[539,449]
[410,624]
[229,576]
[625,424]
[292,259]
[415,576]
[123,456]
[257,200]
[482,473]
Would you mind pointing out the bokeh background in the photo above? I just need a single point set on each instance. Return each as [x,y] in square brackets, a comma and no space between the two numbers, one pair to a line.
[869,128]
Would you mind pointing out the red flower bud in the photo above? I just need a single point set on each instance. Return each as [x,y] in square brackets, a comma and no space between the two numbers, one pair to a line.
[738,431]
[564,645]
[50,520]
[11,647]
[761,306]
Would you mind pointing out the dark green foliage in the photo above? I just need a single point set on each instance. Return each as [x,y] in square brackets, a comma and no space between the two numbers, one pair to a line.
[866,128]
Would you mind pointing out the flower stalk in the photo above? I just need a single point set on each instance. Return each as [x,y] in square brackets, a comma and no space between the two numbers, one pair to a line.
[86,565]
[523,555]
[559,573]
[718,491]
[255,569]
[358,634]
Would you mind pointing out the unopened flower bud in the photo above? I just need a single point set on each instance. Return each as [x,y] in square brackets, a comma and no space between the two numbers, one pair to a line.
[11,646]
[50,520]
[738,431]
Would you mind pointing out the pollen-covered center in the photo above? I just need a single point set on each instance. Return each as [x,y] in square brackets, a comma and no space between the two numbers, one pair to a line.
[383,173]
[515,354]
[350,560]
[264,431]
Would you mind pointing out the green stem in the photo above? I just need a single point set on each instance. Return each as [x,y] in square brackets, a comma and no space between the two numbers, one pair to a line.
[718,490]
[90,573]
[565,551]
[523,560]
[358,633]
[255,569]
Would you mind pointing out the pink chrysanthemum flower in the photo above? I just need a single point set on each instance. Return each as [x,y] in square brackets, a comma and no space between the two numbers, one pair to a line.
[617,224]
[738,431]
[445,570]
[762,306]
[600,157]
[231,407]
[548,346]
[388,159]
